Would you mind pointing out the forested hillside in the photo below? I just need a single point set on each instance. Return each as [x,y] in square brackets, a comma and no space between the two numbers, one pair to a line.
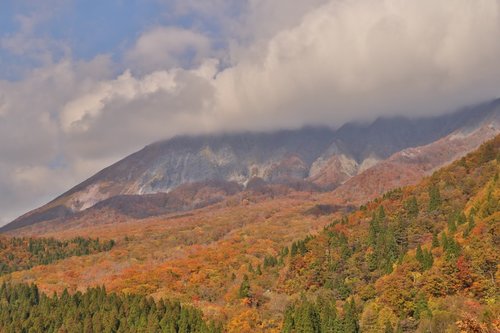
[421,259]
[18,254]
[24,309]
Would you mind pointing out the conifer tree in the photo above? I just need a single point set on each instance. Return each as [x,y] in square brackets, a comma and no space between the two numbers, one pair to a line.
[435,240]
[351,321]
[244,291]
[452,228]
[434,198]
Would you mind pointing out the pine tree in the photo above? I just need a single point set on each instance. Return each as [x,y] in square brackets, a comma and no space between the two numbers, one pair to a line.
[288,322]
[381,213]
[419,254]
[374,230]
[452,228]
[308,320]
[434,198]
[372,261]
[452,250]
[444,241]
[411,206]
[244,291]
[435,240]
[461,219]
[428,260]
[328,316]
[470,225]
[421,308]
[350,322]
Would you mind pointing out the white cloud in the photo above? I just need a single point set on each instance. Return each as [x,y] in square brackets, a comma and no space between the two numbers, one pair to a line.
[360,58]
[124,88]
[30,135]
[167,47]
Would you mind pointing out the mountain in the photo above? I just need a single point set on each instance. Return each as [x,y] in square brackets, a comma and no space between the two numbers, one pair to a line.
[410,165]
[312,158]
[419,258]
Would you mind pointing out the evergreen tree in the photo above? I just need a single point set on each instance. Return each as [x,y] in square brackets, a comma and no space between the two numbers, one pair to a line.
[411,207]
[452,228]
[434,198]
[470,225]
[351,321]
[461,219]
[421,308]
[244,291]
[419,254]
[435,240]
[452,250]
[24,309]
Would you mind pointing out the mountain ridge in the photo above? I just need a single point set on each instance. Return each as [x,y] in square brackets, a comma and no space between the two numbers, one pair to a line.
[323,157]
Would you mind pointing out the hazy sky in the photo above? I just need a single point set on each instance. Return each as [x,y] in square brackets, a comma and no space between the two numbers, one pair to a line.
[86,82]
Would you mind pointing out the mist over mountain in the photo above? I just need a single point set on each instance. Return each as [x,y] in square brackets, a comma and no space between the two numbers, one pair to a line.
[318,158]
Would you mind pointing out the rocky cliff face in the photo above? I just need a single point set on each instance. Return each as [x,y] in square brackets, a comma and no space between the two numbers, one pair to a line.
[410,165]
[322,157]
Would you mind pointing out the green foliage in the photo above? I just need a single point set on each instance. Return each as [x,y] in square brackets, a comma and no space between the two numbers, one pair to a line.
[434,198]
[24,253]
[270,261]
[244,291]
[470,225]
[351,317]
[411,206]
[367,259]
[452,227]
[461,219]
[435,240]
[24,309]
[421,308]
[424,257]
[451,247]
[299,247]
[314,317]
[388,327]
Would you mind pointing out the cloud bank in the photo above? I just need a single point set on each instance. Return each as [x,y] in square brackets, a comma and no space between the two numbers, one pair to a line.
[265,65]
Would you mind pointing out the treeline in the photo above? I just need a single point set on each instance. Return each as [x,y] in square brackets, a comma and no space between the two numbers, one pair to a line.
[24,309]
[24,253]
[321,317]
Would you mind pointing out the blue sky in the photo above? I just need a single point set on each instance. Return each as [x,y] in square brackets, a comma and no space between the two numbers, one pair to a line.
[87,27]
[83,83]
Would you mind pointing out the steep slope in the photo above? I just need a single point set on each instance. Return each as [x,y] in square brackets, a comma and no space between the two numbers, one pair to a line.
[412,164]
[320,156]
[420,259]
[377,267]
